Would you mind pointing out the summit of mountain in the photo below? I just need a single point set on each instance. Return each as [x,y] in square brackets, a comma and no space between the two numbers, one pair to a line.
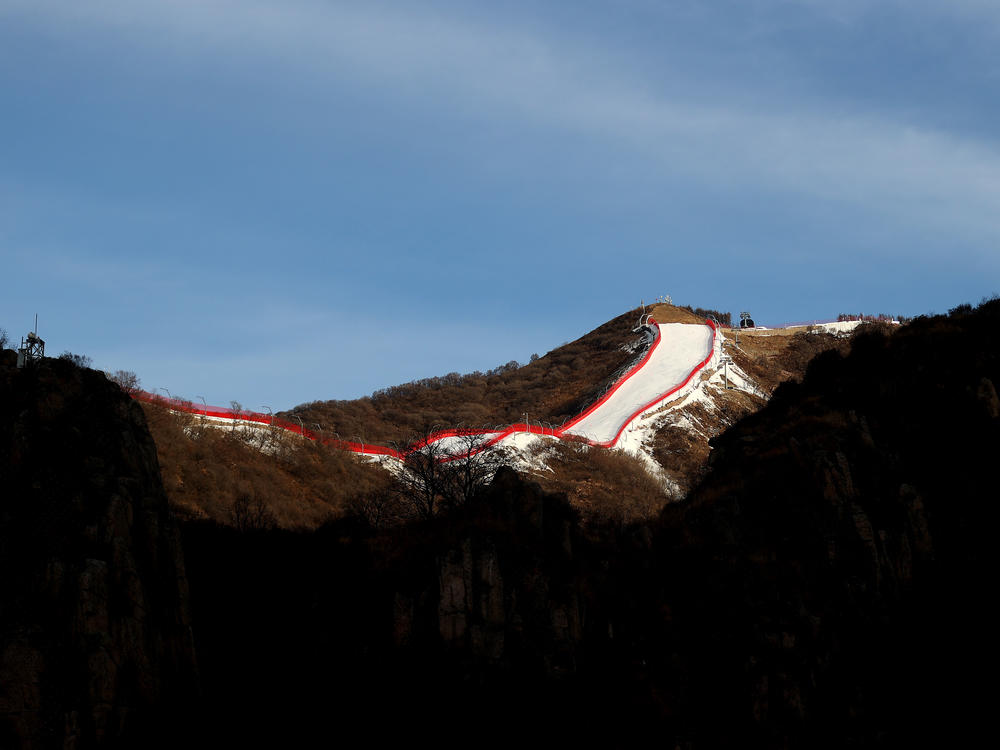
[552,388]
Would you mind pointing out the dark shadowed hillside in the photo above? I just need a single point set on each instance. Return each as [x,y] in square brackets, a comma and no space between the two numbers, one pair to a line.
[826,582]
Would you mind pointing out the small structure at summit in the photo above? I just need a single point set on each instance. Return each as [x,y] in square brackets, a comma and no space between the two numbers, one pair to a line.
[32,348]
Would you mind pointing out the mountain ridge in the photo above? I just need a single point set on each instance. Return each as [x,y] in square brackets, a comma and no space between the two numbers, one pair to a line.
[672,446]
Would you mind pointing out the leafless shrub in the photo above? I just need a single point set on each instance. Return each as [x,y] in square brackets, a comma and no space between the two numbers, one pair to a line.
[80,360]
[604,485]
[206,469]
[380,508]
[238,427]
[437,478]
[127,380]
[251,514]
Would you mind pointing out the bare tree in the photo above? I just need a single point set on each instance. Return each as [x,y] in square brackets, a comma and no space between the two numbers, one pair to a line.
[127,380]
[251,514]
[238,413]
[422,482]
[444,474]
[471,463]
[379,508]
[4,339]
[80,360]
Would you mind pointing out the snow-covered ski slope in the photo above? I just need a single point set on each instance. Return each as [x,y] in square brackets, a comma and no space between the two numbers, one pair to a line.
[679,351]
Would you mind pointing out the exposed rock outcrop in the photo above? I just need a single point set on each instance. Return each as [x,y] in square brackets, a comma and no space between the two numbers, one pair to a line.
[502,585]
[95,638]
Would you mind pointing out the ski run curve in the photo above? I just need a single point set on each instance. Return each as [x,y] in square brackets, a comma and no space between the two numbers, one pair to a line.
[679,351]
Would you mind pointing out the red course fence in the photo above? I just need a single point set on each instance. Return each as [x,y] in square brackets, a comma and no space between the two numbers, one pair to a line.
[218,412]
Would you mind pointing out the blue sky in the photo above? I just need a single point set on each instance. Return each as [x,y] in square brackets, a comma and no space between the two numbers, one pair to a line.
[275,202]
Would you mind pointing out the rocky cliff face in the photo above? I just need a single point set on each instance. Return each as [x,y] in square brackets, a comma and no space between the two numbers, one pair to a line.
[428,631]
[95,637]
[503,586]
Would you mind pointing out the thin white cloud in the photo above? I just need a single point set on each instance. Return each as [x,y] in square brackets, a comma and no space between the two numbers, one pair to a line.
[93,274]
[900,168]
[852,11]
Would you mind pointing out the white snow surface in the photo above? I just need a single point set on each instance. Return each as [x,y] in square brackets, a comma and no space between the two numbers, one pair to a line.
[682,347]
[639,435]
[843,326]
[836,327]
[459,445]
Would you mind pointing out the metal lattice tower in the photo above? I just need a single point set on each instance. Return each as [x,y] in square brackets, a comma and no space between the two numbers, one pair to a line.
[32,348]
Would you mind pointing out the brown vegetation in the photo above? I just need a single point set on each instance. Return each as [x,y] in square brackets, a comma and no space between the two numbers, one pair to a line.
[552,388]
[672,314]
[216,473]
[603,485]
[127,380]
[772,357]
[255,478]
[239,477]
